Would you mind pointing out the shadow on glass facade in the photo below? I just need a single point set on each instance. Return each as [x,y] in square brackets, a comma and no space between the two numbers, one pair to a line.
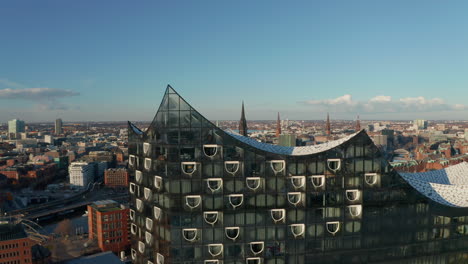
[200,195]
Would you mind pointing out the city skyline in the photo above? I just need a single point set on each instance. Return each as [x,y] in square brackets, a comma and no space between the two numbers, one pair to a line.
[381,61]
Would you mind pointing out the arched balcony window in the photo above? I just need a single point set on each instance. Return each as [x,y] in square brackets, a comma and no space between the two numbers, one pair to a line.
[146,148]
[371,178]
[257,247]
[333,227]
[253,261]
[211,150]
[278,215]
[215,249]
[189,167]
[132,214]
[298,182]
[318,181]
[138,176]
[148,238]
[232,166]
[295,198]
[159,258]
[355,210]
[149,224]
[193,201]
[147,164]
[334,164]
[232,232]
[253,183]
[190,234]
[214,184]
[211,217]
[297,230]
[158,182]
[147,193]
[139,205]
[236,200]
[157,213]
[277,165]
[353,195]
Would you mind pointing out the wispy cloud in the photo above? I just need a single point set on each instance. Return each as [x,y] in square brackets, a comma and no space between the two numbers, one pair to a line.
[8,83]
[384,104]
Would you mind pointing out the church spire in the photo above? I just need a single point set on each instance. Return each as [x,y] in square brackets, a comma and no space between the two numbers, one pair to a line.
[278,126]
[358,124]
[328,128]
[243,122]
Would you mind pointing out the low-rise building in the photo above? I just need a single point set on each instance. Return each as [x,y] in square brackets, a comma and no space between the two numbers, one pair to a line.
[81,173]
[15,245]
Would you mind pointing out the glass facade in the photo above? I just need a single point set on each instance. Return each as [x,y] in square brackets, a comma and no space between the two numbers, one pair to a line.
[199,195]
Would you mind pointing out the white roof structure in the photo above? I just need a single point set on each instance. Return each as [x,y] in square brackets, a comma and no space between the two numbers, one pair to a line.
[291,151]
[448,186]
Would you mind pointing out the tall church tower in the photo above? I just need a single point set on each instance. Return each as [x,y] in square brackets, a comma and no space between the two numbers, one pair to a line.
[243,122]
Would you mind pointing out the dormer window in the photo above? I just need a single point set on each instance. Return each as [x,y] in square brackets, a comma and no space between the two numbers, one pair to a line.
[278,215]
[353,195]
[147,164]
[298,182]
[147,193]
[138,176]
[295,198]
[236,200]
[157,182]
[371,178]
[253,183]
[210,150]
[257,247]
[211,217]
[146,148]
[333,227]
[215,249]
[148,238]
[215,184]
[232,166]
[232,232]
[355,210]
[193,201]
[277,165]
[139,205]
[190,234]
[189,167]
[318,181]
[334,164]
[297,230]
[157,213]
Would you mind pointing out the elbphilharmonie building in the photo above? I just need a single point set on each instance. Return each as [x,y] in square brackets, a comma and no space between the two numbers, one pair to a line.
[207,196]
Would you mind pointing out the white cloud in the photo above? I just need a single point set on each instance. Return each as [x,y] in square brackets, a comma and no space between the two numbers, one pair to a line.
[46,99]
[384,104]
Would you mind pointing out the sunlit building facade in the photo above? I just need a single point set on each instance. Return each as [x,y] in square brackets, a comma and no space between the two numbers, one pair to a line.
[207,196]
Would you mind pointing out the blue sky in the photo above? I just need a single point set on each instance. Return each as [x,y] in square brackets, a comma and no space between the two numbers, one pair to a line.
[112,60]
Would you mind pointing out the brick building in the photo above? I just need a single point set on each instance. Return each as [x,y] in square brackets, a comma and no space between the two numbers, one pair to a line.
[116,177]
[108,224]
[15,246]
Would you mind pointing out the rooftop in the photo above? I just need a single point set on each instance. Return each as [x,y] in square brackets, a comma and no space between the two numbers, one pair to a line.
[107,206]
[9,231]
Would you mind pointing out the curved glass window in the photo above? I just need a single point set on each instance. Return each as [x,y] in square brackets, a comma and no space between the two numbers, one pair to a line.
[232,232]
[278,215]
[193,201]
[318,181]
[253,261]
[353,195]
[277,165]
[257,247]
[334,164]
[133,229]
[236,200]
[132,188]
[253,183]
[355,210]
[138,176]
[157,182]
[132,214]
[211,261]
[295,198]
[147,193]
[148,238]
[189,167]
[147,164]
[215,249]
[159,258]
[149,224]
[133,253]
[139,205]
[333,227]
[157,212]
[214,184]
[371,178]
[211,150]
[211,217]
[146,148]
[131,160]
[190,234]
[297,230]
[298,182]
[232,166]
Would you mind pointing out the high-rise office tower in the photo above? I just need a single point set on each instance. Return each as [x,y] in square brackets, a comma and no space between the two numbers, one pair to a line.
[58,126]
[15,127]
[207,196]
